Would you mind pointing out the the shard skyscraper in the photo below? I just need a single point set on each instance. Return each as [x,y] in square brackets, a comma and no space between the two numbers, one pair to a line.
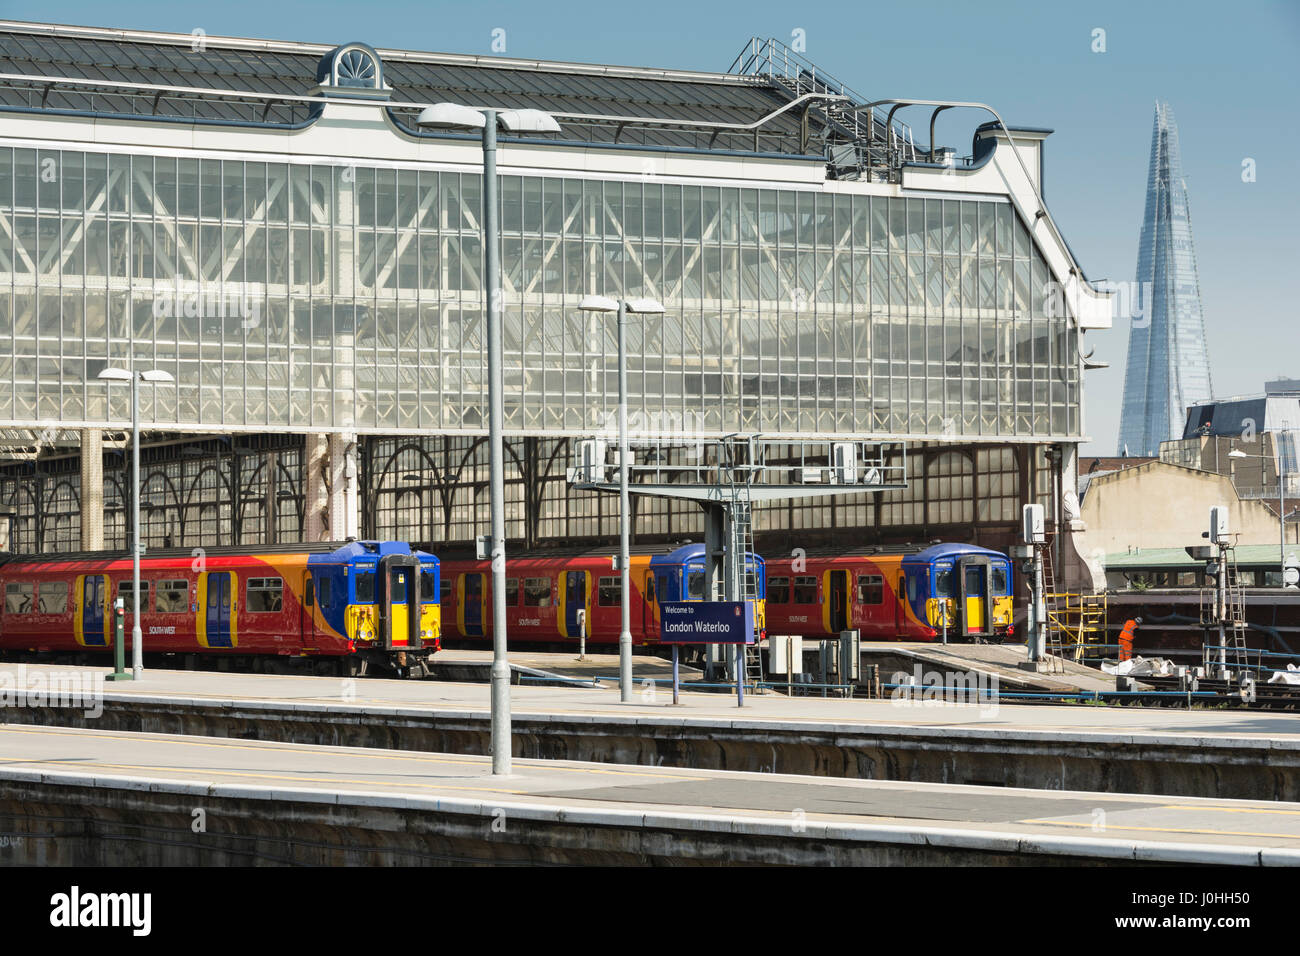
[1168,361]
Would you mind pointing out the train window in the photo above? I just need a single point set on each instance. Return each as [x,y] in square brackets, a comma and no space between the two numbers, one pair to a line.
[512,592]
[943,582]
[650,588]
[444,591]
[366,588]
[1187,579]
[751,582]
[171,597]
[778,590]
[323,592]
[1000,581]
[124,589]
[18,597]
[871,589]
[805,589]
[537,592]
[1246,579]
[265,594]
[911,587]
[695,586]
[426,586]
[53,597]
[610,592]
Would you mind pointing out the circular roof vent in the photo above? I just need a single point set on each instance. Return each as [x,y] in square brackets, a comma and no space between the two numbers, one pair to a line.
[352,67]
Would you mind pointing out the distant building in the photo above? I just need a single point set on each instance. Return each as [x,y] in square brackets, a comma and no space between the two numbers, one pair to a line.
[1160,505]
[1168,361]
[1264,428]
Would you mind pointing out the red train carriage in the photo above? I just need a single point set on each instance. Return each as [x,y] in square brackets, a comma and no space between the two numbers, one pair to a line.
[545,593]
[893,594]
[357,603]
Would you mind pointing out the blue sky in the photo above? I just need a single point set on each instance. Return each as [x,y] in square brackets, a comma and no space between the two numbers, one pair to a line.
[1228,70]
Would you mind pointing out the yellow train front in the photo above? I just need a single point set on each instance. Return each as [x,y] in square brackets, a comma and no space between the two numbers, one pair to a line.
[960,588]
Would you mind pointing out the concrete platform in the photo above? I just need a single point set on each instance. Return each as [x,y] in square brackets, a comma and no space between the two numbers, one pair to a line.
[464,664]
[1001,661]
[85,797]
[1215,753]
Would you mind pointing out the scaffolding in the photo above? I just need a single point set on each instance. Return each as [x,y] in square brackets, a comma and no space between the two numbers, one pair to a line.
[1076,621]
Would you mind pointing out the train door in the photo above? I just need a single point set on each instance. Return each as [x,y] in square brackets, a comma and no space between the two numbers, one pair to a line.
[471,602]
[975,598]
[217,613]
[575,600]
[836,610]
[93,618]
[307,621]
[399,602]
[900,604]
[649,626]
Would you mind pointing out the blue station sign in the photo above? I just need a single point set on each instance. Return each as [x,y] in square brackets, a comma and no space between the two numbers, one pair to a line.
[706,622]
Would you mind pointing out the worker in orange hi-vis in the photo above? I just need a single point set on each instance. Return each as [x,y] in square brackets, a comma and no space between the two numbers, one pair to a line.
[1126,638]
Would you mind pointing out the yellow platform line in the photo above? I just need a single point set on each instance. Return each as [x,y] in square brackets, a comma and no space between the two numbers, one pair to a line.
[1111,826]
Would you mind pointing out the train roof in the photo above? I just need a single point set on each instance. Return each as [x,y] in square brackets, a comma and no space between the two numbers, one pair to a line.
[341,550]
[937,552]
[689,552]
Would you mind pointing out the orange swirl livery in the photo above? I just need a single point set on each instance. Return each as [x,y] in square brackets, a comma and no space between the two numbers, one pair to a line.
[893,594]
[345,607]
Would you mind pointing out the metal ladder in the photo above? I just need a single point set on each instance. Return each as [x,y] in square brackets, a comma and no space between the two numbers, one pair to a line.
[1235,653]
[742,545]
[1054,642]
[1235,608]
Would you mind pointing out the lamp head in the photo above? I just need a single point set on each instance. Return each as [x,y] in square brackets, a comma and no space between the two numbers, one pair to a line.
[598,303]
[450,116]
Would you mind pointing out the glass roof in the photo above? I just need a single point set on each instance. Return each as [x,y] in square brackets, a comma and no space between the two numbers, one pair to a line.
[551,87]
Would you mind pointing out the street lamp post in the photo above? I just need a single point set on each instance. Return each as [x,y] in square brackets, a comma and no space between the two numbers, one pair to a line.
[153,376]
[1282,510]
[458,117]
[599,303]
[1281,506]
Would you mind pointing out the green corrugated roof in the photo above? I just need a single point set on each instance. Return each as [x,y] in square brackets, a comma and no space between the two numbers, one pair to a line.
[1178,558]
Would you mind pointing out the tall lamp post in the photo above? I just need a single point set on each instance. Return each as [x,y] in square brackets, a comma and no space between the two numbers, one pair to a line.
[457,117]
[154,377]
[1281,506]
[599,303]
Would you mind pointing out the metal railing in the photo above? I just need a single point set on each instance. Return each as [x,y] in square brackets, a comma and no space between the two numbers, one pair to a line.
[859,145]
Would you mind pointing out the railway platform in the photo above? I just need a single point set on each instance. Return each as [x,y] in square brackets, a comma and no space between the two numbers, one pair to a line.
[1217,753]
[89,796]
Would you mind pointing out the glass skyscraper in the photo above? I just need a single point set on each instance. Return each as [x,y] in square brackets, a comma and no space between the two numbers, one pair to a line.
[1168,361]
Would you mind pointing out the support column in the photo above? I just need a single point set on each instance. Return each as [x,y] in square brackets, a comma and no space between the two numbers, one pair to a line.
[332,507]
[1082,565]
[92,489]
[344,488]
[315,520]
